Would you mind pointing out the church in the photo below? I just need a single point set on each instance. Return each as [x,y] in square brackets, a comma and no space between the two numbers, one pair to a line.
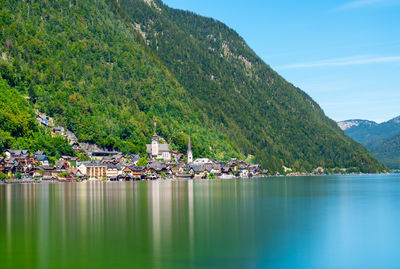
[155,150]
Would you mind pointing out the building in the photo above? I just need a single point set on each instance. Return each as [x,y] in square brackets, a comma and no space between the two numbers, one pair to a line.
[155,150]
[42,119]
[189,152]
[96,170]
[202,161]
[58,131]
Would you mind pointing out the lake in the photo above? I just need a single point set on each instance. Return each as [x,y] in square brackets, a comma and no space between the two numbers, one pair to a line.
[296,222]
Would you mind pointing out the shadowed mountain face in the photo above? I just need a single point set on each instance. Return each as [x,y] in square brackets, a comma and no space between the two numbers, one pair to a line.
[107,70]
[383,139]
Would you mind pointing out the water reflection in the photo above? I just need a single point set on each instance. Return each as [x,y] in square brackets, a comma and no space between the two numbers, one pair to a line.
[316,222]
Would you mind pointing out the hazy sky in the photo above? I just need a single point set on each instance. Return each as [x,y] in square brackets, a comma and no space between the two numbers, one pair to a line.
[344,54]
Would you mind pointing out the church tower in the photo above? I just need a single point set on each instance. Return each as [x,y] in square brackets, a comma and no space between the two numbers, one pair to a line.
[189,152]
[154,146]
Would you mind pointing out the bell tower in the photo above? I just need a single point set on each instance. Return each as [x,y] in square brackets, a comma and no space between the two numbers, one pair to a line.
[189,152]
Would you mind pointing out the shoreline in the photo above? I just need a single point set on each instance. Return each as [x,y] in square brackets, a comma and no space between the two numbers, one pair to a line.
[29,181]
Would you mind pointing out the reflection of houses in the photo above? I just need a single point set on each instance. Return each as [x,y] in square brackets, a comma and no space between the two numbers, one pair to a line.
[155,150]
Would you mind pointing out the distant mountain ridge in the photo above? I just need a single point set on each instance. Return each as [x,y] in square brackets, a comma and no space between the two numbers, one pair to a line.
[347,124]
[382,139]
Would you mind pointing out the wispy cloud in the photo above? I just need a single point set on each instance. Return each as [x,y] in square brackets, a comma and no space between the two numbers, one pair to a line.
[355,60]
[366,3]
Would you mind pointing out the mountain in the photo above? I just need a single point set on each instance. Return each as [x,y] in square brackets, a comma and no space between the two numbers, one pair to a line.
[365,131]
[108,70]
[383,139]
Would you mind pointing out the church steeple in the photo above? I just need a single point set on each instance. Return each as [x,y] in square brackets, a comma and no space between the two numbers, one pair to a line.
[189,152]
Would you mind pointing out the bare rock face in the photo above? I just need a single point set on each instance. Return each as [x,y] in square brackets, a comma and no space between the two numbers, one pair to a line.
[152,4]
[345,125]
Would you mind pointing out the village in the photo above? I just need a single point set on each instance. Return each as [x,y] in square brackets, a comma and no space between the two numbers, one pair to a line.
[160,163]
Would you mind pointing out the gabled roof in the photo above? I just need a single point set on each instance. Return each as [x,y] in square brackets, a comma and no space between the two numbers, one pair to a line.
[18,153]
[156,165]
[161,148]
[41,158]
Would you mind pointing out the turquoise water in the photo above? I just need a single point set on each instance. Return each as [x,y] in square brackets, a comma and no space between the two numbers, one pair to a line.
[302,222]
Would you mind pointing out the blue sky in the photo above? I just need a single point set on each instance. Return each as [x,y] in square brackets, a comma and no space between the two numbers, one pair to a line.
[344,54]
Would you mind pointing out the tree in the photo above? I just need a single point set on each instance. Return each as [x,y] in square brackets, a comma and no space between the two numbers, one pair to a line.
[142,162]
[3,176]
[211,176]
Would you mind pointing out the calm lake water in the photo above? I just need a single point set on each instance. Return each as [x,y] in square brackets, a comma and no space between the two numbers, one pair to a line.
[302,222]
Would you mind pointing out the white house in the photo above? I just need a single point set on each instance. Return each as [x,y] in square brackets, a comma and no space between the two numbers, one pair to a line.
[202,161]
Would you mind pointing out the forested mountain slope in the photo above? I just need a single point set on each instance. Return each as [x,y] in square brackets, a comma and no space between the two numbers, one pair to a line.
[107,70]
[83,65]
[387,151]
[260,111]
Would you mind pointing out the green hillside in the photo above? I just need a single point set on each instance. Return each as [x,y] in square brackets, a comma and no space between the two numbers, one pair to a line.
[86,64]
[387,151]
[19,129]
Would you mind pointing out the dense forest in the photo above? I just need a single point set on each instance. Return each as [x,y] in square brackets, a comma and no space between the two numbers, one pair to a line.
[387,151]
[108,70]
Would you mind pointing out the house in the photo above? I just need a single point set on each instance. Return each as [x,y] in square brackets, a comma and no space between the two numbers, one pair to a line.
[2,164]
[41,159]
[18,154]
[113,171]
[62,164]
[96,170]
[42,119]
[135,172]
[72,161]
[75,145]
[48,171]
[157,167]
[254,170]
[243,172]
[58,130]
[111,160]
[202,161]
[155,150]
[216,169]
